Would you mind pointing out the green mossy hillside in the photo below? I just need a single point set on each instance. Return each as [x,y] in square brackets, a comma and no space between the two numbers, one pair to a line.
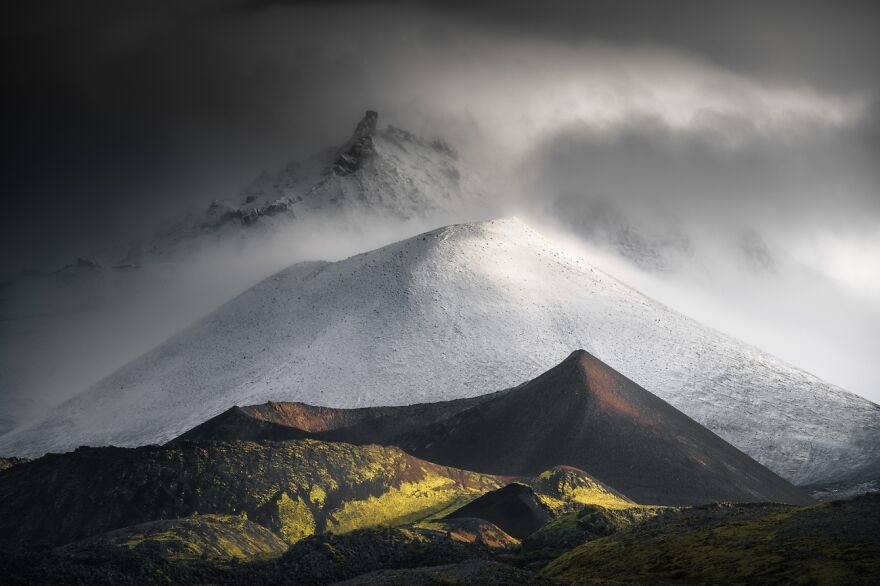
[315,560]
[564,488]
[218,537]
[295,488]
[577,527]
[828,543]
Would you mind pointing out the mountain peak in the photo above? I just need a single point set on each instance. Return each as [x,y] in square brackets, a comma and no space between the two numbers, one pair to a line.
[367,125]
[359,148]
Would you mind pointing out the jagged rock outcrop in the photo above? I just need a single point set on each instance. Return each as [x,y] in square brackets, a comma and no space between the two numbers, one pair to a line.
[359,148]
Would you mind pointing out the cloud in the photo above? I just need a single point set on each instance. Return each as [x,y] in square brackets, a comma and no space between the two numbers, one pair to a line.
[689,128]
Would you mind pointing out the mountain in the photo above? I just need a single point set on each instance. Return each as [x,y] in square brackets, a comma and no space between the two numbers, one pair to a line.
[584,414]
[580,413]
[78,317]
[455,313]
[386,173]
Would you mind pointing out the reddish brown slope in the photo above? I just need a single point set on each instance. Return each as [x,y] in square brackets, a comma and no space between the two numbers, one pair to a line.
[585,414]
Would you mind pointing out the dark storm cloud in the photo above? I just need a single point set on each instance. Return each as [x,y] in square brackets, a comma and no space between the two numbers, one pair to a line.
[737,120]
[121,113]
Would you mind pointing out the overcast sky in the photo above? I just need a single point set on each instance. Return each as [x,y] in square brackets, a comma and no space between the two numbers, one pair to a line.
[728,119]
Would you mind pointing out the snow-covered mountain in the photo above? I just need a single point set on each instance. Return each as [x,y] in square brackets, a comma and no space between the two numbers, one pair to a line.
[385,173]
[458,312]
[97,313]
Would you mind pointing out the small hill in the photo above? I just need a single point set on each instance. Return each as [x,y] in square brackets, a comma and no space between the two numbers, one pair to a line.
[515,508]
[830,543]
[220,537]
[562,488]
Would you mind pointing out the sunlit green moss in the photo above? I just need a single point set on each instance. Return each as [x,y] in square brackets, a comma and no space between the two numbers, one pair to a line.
[318,496]
[200,536]
[766,543]
[562,486]
[408,503]
[295,519]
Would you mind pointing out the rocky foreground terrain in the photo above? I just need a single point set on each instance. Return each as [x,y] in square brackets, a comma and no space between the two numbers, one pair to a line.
[488,490]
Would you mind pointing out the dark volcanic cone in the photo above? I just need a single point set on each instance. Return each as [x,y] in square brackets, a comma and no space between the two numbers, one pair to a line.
[585,414]
[516,509]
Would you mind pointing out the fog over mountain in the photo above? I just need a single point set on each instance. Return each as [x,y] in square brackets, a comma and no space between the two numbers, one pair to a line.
[722,159]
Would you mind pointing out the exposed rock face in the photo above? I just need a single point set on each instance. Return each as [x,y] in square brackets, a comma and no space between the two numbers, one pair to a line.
[359,148]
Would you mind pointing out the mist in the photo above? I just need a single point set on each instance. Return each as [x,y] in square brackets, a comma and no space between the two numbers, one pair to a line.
[723,164]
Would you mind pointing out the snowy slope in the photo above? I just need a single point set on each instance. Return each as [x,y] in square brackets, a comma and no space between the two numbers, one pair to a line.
[86,321]
[457,312]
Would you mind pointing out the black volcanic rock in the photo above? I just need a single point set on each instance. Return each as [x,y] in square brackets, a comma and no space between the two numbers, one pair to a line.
[585,414]
[515,508]
[359,148]
[581,413]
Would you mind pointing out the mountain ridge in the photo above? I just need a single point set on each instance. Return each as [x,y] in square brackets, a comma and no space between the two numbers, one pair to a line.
[580,413]
[480,307]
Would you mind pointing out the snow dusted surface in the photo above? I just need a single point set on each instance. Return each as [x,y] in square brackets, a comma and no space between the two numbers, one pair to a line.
[456,312]
[85,322]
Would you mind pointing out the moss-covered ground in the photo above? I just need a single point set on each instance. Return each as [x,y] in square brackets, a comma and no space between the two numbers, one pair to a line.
[828,543]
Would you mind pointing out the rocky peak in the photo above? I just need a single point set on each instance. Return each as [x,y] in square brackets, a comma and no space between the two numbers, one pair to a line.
[359,148]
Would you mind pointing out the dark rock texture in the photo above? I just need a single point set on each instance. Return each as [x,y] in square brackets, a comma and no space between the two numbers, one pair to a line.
[516,509]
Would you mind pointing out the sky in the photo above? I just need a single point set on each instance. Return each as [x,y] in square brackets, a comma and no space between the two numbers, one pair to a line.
[738,142]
